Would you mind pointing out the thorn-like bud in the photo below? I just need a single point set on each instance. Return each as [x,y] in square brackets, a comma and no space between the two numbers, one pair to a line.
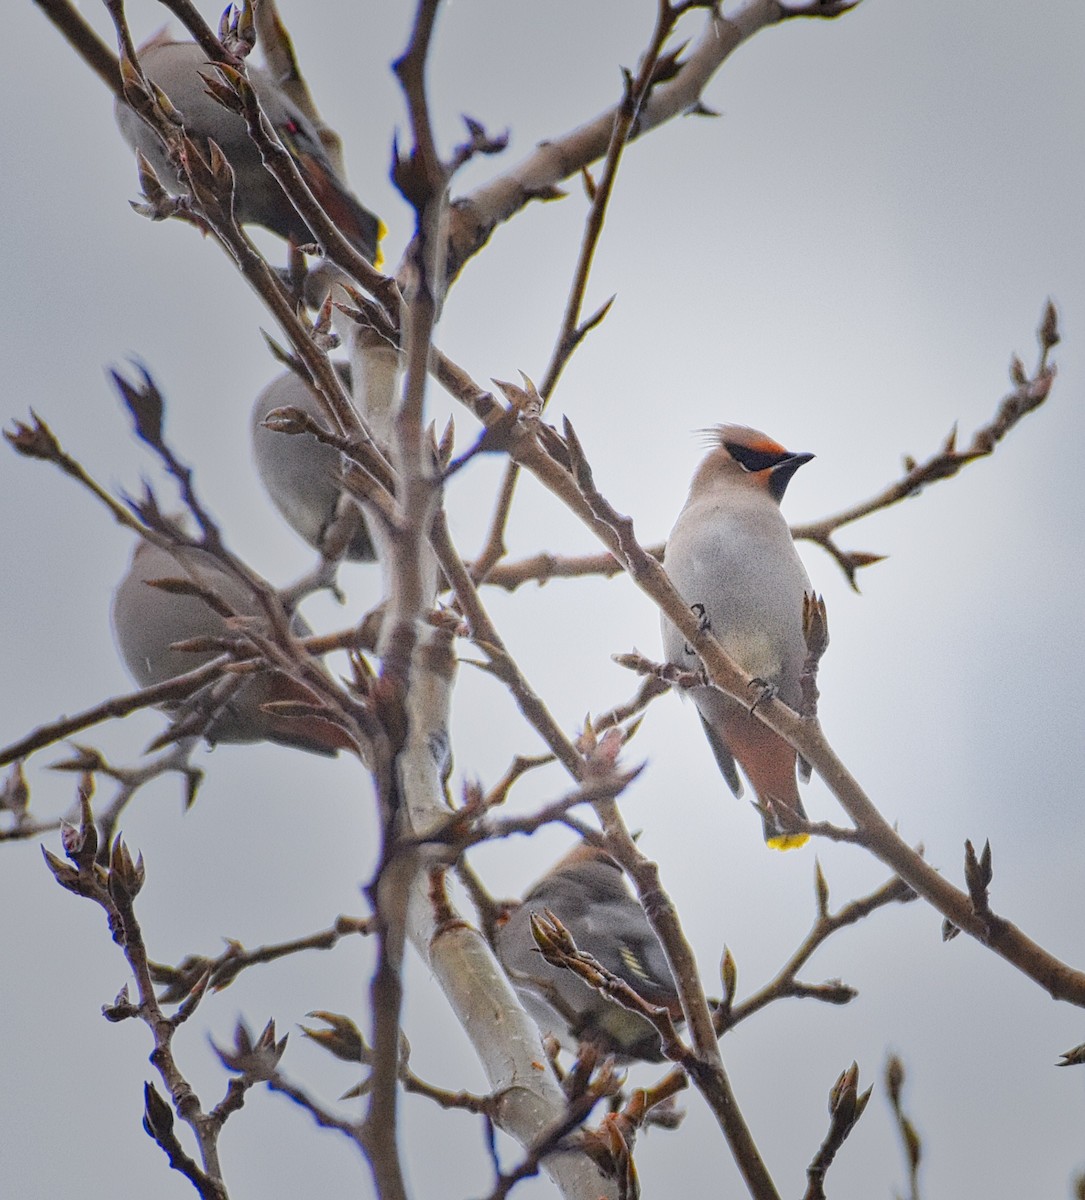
[65,875]
[221,170]
[166,106]
[122,1007]
[15,792]
[343,1038]
[288,419]
[194,777]
[729,978]
[256,1060]
[978,873]
[446,444]
[1073,1058]
[126,877]
[863,558]
[37,441]
[843,1096]
[821,889]
[1049,327]
[157,1115]
[145,403]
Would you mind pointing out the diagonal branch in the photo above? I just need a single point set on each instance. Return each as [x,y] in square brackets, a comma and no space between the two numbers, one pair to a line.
[476,215]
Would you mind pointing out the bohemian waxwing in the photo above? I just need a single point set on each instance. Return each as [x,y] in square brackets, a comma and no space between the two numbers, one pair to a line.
[176,68]
[732,558]
[299,473]
[587,892]
[147,621]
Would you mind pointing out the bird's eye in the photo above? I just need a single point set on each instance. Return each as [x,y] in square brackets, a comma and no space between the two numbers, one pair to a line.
[754,460]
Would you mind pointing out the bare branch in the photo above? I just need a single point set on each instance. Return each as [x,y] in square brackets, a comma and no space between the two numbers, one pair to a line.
[541,568]
[786,982]
[910,1140]
[846,1106]
[86,43]
[218,973]
[1028,394]
[474,217]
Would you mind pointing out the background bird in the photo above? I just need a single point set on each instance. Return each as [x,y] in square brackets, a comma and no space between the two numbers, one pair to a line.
[732,558]
[147,621]
[176,68]
[301,474]
[587,892]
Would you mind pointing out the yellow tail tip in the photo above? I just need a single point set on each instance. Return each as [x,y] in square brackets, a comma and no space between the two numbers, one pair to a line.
[382,233]
[787,841]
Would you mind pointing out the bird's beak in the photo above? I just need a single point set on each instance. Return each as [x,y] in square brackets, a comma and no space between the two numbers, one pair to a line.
[782,472]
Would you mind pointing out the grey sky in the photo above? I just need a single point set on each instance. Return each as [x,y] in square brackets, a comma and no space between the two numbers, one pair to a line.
[847,259]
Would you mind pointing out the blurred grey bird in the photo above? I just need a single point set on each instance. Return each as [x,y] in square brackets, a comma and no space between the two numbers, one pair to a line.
[147,621]
[176,68]
[732,558]
[299,473]
[587,892]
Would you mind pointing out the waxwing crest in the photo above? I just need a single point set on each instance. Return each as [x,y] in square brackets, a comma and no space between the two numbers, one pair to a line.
[743,436]
[757,453]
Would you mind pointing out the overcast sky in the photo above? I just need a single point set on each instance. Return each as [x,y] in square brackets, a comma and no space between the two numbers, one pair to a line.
[846,258]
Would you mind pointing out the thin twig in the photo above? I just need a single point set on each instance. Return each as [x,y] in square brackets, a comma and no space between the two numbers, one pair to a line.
[1028,394]
[786,982]
[220,972]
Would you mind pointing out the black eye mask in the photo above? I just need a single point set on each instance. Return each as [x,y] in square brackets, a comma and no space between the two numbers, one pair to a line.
[755,460]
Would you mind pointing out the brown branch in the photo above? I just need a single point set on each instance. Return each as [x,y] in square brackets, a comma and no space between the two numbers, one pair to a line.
[323,1118]
[616,534]
[634,94]
[911,1143]
[119,706]
[500,662]
[875,833]
[474,217]
[572,330]
[282,62]
[190,17]
[786,983]
[577,1111]
[705,1065]
[1028,394]
[114,888]
[86,43]
[470,827]
[282,166]
[559,949]
[218,973]
[541,568]
[465,1101]
[846,1106]
[651,689]
[493,549]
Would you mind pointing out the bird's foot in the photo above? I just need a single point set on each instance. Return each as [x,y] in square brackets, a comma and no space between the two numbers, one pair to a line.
[762,690]
[704,622]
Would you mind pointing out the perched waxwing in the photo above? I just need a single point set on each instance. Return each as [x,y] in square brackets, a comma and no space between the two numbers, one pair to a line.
[587,892]
[301,474]
[147,621]
[732,558]
[176,68]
